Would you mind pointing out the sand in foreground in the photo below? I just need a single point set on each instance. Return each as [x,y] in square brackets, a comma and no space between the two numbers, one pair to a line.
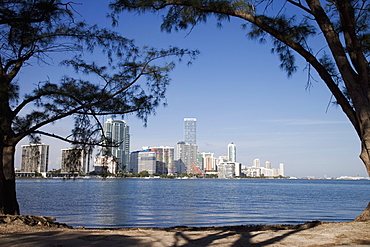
[310,234]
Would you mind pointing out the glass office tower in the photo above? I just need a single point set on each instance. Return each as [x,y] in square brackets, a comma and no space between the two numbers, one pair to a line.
[190,130]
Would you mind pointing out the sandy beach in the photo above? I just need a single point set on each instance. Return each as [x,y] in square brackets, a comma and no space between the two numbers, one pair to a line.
[44,231]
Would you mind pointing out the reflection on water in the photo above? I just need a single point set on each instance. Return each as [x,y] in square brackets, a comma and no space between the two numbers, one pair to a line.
[196,202]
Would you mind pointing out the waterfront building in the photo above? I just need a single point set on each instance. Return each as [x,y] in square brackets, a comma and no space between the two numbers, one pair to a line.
[143,160]
[231,152]
[281,169]
[256,163]
[75,159]
[179,167]
[117,136]
[257,171]
[35,158]
[106,164]
[268,165]
[229,170]
[164,157]
[190,130]
[223,158]
[187,153]
[206,161]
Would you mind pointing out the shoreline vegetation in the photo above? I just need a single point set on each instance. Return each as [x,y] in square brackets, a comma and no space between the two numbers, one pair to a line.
[59,175]
[31,230]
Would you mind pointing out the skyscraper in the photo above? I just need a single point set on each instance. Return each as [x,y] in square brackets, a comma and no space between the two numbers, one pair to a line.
[35,158]
[187,154]
[256,163]
[190,130]
[268,165]
[281,169]
[117,135]
[143,160]
[231,152]
[165,159]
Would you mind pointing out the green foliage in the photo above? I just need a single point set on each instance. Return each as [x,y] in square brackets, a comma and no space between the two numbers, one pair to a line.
[131,81]
[144,174]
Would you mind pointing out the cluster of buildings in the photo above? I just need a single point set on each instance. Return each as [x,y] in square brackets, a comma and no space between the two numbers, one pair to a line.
[115,157]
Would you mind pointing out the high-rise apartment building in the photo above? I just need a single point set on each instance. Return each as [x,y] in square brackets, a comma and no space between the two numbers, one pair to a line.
[268,165]
[143,160]
[187,154]
[256,163]
[75,159]
[256,170]
[206,161]
[165,159]
[281,169]
[105,164]
[117,135]
[231,152]
[190,130]
[229,170]
[35,158]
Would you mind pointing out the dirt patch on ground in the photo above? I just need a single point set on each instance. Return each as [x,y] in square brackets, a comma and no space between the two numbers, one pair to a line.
[45,231]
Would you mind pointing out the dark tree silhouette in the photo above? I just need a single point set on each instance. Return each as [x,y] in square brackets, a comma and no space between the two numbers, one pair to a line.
[130,81]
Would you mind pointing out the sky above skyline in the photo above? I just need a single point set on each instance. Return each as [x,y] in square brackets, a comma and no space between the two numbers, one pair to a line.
[237,92]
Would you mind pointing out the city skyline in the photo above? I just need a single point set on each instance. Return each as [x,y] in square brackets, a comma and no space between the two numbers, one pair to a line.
[237,93]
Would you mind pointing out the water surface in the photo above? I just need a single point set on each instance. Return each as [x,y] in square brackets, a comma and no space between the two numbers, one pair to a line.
[193,202]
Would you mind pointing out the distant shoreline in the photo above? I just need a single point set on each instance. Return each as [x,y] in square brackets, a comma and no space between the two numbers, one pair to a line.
[267,178]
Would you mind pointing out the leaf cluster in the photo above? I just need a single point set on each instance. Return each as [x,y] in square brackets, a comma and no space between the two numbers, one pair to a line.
[132,81]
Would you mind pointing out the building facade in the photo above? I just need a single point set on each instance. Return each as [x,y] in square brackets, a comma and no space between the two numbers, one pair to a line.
[187,153]
[165,159]
[180,167]
[256,163]
[106,164]
[143,160]
[257,171]
[35,158]
[207,161]
[231,152]
[117,136]
[75,160]
[190,130]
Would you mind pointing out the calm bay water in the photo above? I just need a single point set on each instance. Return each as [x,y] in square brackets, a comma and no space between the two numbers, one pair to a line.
[109,203]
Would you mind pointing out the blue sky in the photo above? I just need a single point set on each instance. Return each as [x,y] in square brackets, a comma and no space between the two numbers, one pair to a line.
[238,93]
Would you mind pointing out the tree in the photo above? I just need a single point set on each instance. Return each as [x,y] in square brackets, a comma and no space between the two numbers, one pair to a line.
[293,26]
[132,80]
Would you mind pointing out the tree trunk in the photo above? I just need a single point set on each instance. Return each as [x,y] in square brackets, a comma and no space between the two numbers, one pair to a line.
[365,157]
[2,203]
[365,215]
[9,198]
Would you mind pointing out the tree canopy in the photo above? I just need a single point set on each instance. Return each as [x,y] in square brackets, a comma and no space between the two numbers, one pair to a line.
[132,80]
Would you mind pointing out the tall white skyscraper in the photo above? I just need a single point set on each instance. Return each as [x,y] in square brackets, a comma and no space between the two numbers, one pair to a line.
[256,163]
[268,165]
[281,169]
[117,133]
[231,152]
[190,130]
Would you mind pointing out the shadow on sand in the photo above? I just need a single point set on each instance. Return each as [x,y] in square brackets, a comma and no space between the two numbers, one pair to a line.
[176,236]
